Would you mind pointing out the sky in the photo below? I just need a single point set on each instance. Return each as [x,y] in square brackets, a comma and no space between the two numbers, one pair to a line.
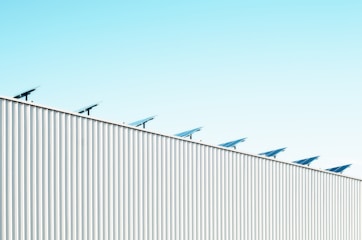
[281,73]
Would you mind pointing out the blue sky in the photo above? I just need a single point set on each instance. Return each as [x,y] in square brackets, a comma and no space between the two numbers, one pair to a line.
[282,73]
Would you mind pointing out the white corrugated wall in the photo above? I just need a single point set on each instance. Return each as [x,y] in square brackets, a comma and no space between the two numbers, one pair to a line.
[66,176]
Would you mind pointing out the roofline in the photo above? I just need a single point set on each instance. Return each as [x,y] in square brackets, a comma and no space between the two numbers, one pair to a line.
[173,136]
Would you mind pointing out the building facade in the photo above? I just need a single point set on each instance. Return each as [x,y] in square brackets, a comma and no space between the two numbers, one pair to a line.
[68,176]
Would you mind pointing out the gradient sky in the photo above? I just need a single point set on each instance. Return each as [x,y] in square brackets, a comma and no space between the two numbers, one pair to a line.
[282,74]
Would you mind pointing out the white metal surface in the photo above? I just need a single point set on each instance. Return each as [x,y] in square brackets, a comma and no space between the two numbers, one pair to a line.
[66,176]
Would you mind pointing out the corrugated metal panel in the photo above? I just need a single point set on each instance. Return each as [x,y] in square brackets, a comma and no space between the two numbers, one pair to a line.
[66,176]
